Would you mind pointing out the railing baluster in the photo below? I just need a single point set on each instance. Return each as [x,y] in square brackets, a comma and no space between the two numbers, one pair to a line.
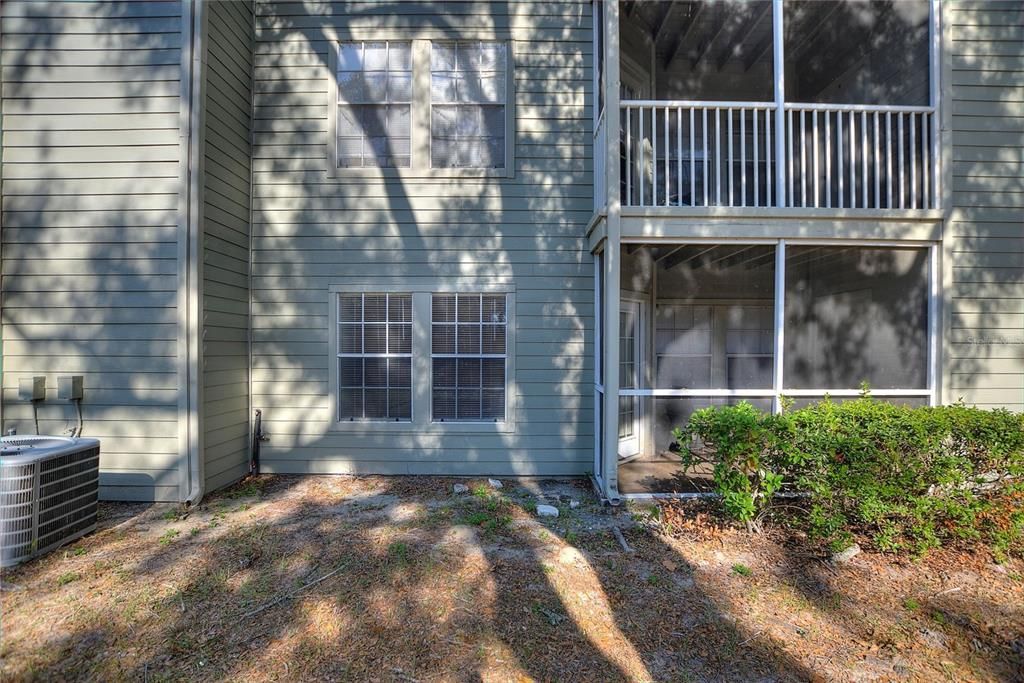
[629,155]
[641,171]
[803,160]
[878,199]
[853,161]
[926,167]
[704,165]
[679,156]
[814,151]
[840,171]
[900,121]
[654,156]
[667,155]
[864,157]
[913,163]
[828,160]
[888,159]
[718,157]
[693,170]
[789,153]
[729,114]
[756,174]
[770,195]
[743,157]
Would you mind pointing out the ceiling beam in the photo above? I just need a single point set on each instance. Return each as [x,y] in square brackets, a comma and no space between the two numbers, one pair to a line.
[685,33]
[679,257]
[663,24]
[719,28]
[748,30]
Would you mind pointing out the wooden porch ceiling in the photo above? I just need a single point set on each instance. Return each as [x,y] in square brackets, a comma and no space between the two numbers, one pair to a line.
[699,30]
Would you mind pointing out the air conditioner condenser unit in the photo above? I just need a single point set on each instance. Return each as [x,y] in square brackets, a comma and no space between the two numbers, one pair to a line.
[49,490]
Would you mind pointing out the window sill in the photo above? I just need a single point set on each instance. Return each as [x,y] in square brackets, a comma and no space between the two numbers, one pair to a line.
[420,173]
[366,427]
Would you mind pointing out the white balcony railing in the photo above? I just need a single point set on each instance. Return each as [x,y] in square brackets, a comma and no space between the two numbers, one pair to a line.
[680,153]
[859,156]
[696,154]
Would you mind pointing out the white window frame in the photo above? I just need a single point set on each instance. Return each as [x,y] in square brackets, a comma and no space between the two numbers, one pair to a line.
[386,103]
[363,355]
[778,390]
[456,356]
[422,289]
[420,157]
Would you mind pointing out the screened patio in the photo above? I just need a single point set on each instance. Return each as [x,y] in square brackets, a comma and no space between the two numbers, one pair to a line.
[705,324]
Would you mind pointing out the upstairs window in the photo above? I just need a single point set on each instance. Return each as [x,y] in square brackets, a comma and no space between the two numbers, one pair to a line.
[467,96]
[422,107]
[374,104]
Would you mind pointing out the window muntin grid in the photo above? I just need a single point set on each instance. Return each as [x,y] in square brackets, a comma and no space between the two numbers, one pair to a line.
[374,104]
[468,91]
[469,357]
[375,357]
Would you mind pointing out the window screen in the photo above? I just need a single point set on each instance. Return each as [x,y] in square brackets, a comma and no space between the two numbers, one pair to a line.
[467,95]
[468,348]
[374,103]
[375,357]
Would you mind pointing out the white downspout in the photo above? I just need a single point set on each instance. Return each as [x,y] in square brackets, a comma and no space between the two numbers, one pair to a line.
[190,257]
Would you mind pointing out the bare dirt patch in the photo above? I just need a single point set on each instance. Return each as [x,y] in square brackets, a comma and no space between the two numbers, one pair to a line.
[399,579]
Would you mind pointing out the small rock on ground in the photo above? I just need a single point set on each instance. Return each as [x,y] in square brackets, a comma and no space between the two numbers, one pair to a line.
[460,488]
[574,504]
[547,511]
[844,556]
[495,483]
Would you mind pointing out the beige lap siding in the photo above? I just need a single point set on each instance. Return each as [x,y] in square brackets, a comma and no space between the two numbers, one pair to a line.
[312,231]
[89,199]
[984,350]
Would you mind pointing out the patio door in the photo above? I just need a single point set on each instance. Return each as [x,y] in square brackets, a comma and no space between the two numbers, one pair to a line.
[630,345]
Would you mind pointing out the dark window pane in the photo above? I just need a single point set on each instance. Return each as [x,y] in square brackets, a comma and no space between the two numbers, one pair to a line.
[376,403]
[493,339]
[400,404]
[400,308]
[375,338]
[444,372]
[469,339]
[376,372]
[350,308]
[493,404]
[469,404]
[400,339]
[468,372]
[443,404]
[443,339]
[443,308]
[469,309]
[493,371]
[400,372]
[351,339]
[351,372]
[350,404]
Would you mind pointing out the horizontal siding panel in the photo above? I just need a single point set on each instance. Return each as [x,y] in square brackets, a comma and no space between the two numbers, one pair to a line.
[90,195]
[311,229]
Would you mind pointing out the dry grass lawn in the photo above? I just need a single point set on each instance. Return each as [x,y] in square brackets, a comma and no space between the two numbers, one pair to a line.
[398,579]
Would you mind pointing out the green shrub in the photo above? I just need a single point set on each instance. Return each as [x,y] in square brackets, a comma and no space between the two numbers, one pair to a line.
[909,479]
